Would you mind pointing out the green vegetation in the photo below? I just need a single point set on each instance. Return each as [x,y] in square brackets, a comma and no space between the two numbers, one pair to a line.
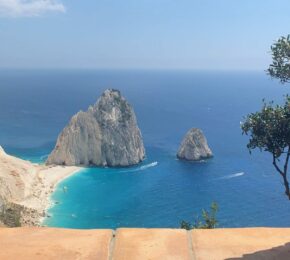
[17,222]
[280,67]
[10,215]
[207,221]
[269,129]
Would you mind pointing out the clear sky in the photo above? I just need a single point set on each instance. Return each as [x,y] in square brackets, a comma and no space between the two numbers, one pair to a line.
[162,34]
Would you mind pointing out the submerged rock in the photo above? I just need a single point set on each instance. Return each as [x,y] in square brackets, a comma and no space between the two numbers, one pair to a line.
[105,135]
[194,146]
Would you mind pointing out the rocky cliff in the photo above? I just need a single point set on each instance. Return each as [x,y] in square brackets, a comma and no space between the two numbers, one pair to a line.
[105,135]
[25,189]
[194,146]
[16,180]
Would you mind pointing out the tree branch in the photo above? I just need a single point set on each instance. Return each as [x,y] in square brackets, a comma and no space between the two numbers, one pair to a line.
[287,161]
[276,166]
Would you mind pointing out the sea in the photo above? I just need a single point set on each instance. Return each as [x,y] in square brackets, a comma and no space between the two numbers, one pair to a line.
[162,191]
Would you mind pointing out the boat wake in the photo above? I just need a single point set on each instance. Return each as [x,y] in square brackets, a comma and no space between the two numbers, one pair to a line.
[143,167]
[238,174]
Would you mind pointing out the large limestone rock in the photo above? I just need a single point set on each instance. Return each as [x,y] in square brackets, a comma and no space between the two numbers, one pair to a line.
[194,146]
[105,135]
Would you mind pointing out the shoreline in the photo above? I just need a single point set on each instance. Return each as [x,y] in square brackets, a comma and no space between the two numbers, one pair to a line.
[27,188]
[48,178]
[50,203]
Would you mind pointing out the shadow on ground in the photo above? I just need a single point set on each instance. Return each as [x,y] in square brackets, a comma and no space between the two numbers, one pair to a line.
[279,253]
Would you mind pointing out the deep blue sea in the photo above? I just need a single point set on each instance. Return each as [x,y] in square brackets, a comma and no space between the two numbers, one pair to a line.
[36,104]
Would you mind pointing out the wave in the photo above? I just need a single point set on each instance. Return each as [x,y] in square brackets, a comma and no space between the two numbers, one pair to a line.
[43,157]
[143,167]
[238,174]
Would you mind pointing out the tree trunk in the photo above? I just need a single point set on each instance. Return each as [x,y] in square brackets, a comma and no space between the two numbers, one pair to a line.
[284,172]
[286,184]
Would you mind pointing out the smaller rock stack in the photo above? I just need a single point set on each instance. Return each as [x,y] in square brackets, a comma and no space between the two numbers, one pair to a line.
[194,146]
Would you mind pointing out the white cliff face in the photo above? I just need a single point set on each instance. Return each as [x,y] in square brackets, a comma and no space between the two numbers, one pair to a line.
[194,146]
[105,135]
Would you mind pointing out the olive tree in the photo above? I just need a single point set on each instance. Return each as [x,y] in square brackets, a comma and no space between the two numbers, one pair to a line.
[280,67]
[269,130]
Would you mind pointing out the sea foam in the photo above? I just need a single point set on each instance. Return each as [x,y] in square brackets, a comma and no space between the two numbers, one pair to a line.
[238,174]
[142,168]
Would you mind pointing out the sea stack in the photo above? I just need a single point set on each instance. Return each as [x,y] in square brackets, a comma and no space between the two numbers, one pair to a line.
[106,134]
[194,146]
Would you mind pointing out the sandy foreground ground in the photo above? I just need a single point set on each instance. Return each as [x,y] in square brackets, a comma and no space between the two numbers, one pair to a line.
[30,185]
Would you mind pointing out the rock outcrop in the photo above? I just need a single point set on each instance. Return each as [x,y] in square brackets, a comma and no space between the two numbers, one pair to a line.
[105,135]
[25,188]
[16,180]
[194,146]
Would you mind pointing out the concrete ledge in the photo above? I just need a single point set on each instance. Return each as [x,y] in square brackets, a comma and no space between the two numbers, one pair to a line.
[130,244]
[242,243]
[151,244]
[51,243]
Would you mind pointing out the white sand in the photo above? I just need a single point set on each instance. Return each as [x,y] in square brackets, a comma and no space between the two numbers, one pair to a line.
[30,185]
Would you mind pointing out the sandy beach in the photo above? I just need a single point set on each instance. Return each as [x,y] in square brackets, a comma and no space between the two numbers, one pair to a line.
[26,187]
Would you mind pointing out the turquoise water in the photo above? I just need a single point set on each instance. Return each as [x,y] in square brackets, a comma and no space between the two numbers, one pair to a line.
[162,191]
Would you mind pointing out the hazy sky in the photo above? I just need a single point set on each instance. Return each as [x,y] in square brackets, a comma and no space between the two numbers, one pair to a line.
[163,34]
